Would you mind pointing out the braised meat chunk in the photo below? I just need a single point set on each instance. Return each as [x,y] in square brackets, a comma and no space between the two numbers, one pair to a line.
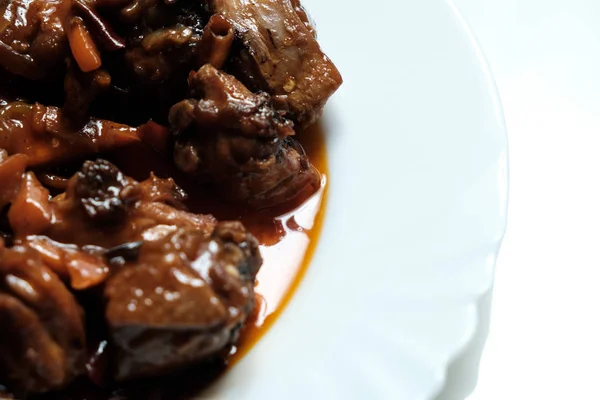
[100,196]
[33,38]
[177,286]
[42,340]
[110,275]
[11,172]
[279,53]
[184,300]
[235,138]
[46,135]
[77,232]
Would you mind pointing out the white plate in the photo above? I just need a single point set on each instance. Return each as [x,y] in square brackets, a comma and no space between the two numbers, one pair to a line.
[416,213]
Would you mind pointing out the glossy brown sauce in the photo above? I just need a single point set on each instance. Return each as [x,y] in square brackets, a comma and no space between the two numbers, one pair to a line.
[288,238]
[288,250]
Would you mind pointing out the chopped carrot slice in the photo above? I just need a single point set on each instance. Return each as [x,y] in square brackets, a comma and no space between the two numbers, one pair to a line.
[83,47]
[155,135]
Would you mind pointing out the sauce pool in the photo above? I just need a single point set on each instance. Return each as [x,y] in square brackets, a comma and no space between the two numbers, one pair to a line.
[287,238]
[287,249]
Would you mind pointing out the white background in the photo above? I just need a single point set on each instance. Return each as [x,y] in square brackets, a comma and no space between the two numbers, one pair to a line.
[545,329]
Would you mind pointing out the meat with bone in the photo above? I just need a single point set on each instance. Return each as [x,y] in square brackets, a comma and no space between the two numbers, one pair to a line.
[234,138]
[279,53]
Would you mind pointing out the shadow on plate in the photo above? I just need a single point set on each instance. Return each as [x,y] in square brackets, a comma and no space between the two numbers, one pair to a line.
[463,372]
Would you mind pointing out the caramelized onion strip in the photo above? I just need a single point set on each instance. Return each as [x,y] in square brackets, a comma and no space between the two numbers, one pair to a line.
[19,64]
[108,37]
[53,181]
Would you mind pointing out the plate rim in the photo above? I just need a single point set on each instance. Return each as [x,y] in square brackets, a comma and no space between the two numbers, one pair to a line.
[494,94]
[470,305]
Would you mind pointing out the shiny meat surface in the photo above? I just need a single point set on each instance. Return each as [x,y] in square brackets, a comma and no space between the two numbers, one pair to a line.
[226,104]
[235,138]
[33,39]
[11,171]
[46,135]
[177,286]
[105,276]
[101,210]
[280,54]
[42,340]
[186,299]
